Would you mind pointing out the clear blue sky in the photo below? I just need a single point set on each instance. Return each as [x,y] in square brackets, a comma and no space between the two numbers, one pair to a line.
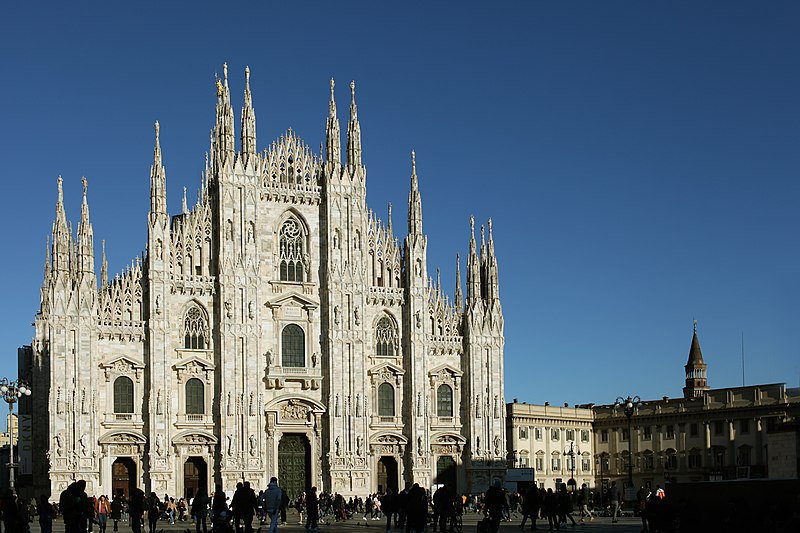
[639,159]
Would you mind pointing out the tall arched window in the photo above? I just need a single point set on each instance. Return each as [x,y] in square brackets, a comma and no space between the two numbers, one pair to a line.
[385,400]
[195,329]
[386,337]
[123,395]
[293,343]
[444,401]
[293,256]
[195,397]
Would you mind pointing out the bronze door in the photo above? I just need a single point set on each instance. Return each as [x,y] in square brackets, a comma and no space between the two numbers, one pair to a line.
[123,477]
[387,474]
[446,472]
[194,476]
[294,465]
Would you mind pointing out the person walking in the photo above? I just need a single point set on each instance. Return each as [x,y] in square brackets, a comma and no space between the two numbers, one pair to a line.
[200,510]
[312,510]
[136,509]
[273,497]
[530,506]
[389,506]
[583,503]
[116,511]
[550,509]
[102,509]
[614,497]
[565,505]
[495,504]
[153,511]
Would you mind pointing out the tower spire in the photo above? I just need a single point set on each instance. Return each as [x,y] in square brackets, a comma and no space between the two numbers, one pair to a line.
[333,136]
[492,281]
[473,268]
[414,201]
[85,237]
[696,379]
[62,234]
[389,219]
[158,183]
[103,265]
[248,120]
[459,297]
[223,129]
[353,132]
[184,205]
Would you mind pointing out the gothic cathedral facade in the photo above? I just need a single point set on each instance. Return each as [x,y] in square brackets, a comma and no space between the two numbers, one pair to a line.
[277,327]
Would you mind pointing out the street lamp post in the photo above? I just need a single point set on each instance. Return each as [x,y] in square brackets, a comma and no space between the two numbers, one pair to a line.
[629,405]
[572,452]
[12,391]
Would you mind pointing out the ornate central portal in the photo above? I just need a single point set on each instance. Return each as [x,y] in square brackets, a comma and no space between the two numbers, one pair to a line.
[294,464]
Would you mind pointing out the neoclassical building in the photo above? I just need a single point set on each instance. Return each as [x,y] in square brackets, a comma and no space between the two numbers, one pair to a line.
[708,434]
[277,327]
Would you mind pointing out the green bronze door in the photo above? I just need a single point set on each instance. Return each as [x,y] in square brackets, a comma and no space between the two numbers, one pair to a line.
[294,465]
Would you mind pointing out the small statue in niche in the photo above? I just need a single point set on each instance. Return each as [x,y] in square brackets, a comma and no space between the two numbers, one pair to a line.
[158,248]
[251,310]
[231,443]
[59,444]
[159,410]
[252,446]
[418,316]
[359,444]
[229,229]
[420,451]
[84,442]
[268,357]
[158,304]
[228,309]
[357,316]
[496,445]
[159,445]
[314,360]
[337,447]
[251,232]
[336,315]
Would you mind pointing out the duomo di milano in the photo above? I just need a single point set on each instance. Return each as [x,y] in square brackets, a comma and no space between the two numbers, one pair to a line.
[278,327]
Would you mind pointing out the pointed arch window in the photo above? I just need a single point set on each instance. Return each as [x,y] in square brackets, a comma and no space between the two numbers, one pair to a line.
[195,329]
[123,395]
[386,337]
[195,397]
[293,345]
[444,400]
[385,400]
[293,256]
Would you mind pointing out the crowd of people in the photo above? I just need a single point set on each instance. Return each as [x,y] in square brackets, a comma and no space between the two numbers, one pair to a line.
[411,510]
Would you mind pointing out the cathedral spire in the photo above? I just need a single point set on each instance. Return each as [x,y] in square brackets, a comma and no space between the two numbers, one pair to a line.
[459,296]
[103,265]
[85,237]
[223,129]
[492,281]
[389,219]
[62,234]
[473,268]
[184,205]
[353,132]
[158,183]
[333,136]
[414,201]
[248,119]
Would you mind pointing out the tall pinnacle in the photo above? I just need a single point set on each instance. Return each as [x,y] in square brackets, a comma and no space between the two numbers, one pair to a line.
[158,182]
[353,132]
[62,234]
[103,265]
[333,136]
[473,267]
[492,278]
[223,129]
[85,237]
[459,297]
[414,201]
[248,119]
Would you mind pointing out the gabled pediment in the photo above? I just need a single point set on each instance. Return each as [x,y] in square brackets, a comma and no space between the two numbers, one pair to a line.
[445,369]
[292,298]
[194,360]
[194,437]
[448,438]
[122,360]
[386,367]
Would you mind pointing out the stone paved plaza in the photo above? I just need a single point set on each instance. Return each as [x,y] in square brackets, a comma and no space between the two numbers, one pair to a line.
[602,524]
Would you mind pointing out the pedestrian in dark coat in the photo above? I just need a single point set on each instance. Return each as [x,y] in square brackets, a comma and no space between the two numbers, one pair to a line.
[416,509]
[550,509]
[530,506]
[312,510]
[564,505]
